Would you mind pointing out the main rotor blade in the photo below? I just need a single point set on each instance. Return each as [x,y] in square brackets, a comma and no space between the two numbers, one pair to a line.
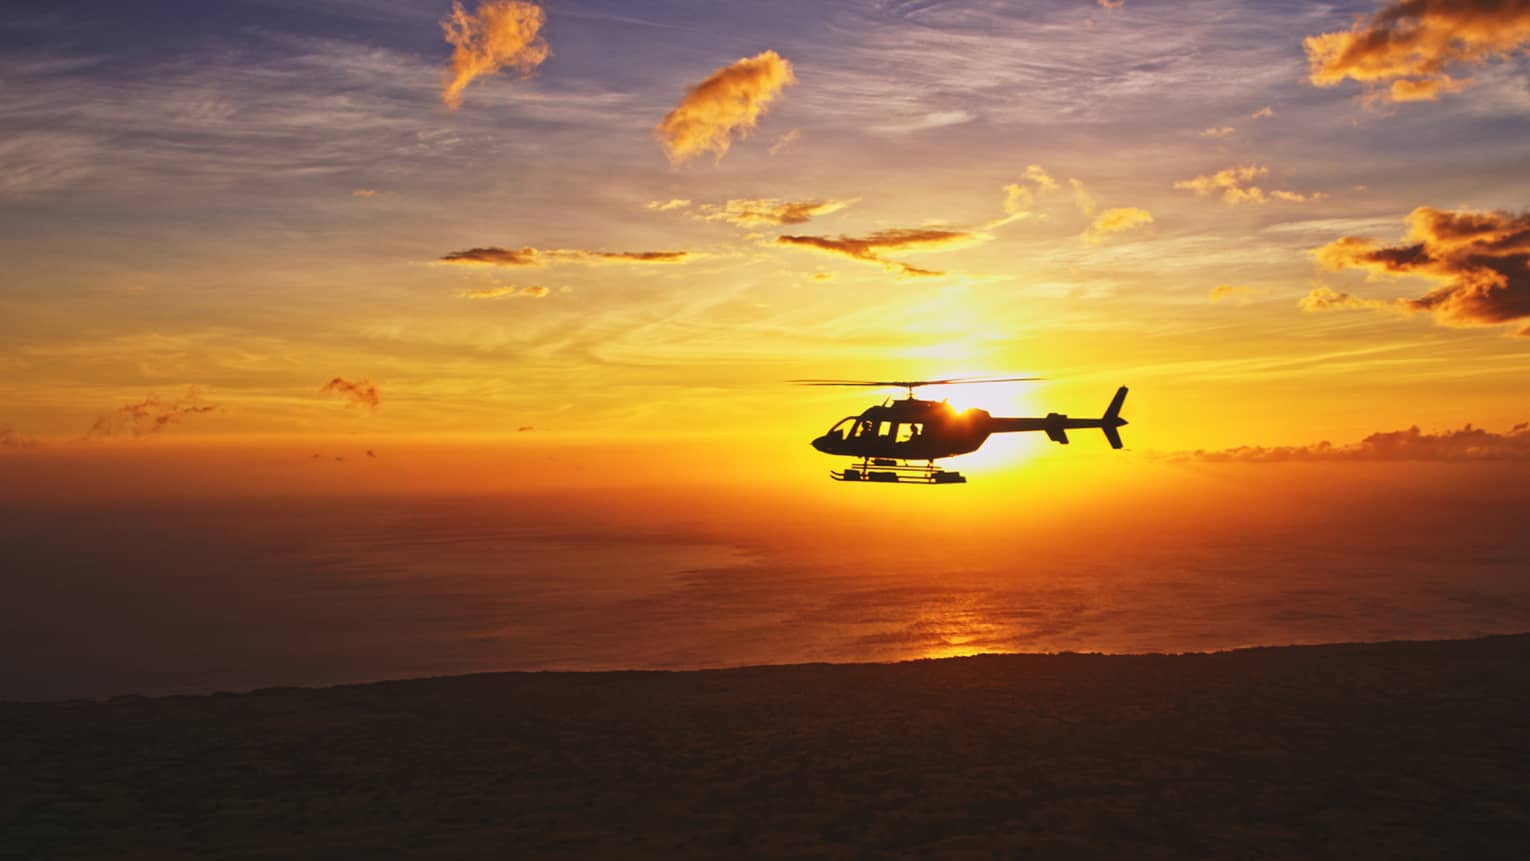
[914,384]
[961,381]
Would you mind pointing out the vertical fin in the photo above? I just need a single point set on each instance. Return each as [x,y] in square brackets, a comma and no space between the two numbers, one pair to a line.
[1114,410]
[1113,435]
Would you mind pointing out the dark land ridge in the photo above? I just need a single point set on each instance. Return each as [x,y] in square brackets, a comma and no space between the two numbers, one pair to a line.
[1394,750]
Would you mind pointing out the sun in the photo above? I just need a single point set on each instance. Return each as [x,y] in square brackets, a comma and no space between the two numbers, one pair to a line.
[1002,450]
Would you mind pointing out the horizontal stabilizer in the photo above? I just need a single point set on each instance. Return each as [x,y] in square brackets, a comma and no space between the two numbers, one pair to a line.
[1056,434]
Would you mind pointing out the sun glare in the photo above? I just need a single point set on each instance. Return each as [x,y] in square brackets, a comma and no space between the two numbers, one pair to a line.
[999,399]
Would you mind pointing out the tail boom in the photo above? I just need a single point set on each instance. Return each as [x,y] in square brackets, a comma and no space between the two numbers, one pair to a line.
[1057,425]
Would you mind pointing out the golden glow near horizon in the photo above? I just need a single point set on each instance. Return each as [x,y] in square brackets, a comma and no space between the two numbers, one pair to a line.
[636,225]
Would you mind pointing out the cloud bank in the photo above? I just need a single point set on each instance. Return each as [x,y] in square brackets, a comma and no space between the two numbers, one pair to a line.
[499,34]
[1413,45]
[1466,444]
[1481,258]
[728,103]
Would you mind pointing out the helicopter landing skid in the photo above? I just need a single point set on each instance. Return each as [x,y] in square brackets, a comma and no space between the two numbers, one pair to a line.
[889,471]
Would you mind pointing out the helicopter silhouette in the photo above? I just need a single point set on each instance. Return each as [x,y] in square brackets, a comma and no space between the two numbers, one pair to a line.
[889,438]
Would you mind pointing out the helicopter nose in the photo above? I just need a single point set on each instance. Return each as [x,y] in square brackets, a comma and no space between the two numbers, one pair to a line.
[819,444]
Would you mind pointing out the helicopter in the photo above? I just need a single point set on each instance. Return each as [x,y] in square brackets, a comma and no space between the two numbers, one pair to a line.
[890,438]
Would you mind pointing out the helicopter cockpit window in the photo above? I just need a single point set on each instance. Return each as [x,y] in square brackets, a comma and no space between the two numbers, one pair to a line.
[910,431]
[842,428]
[885,429]
[865,428]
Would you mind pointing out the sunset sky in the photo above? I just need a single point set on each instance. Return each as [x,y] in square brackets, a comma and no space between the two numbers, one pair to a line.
[577,249]
[230,205]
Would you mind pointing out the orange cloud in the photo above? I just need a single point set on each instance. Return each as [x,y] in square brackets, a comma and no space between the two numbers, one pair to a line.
[1482,258]
[1468,443]
[1326,299]
[1019,197]
[756,212]
[1116,220]
[496,256]
[149,416]
[1263,113]
[499,34]
[361,392]
[1237,186]
[752,213]
[872,247]
[621,256]
[1218,132]
[506,291]
[1413,44]
[1038,175]
[729,102]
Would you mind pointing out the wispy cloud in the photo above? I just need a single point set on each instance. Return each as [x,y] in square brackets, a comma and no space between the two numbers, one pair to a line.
[1020,196]
[668,205]
[727,104]
[149,416]
[359,393]
[1328,299]
[1116,220]
[12,439]
[1414,45]
[784,141]
[1082,198]
[1483,258]
[499,34]
[1232,291]
[507,291]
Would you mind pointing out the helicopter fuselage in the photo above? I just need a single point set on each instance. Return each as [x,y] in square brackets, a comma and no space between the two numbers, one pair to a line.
[908,429]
